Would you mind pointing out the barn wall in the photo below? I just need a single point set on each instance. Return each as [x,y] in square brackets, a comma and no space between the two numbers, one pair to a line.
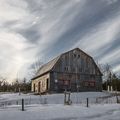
[75,70]
[41,83]
[79,70]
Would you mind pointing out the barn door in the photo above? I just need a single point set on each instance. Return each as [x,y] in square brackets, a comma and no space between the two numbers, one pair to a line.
[39,87]
[47,85]
[34,87]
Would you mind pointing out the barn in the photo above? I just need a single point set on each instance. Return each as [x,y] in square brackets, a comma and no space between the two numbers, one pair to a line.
[74,70]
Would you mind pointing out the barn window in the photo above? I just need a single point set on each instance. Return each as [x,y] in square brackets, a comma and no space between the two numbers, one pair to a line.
[74,55]
[66,82]
[78,56]
[39,85]
[86,84]
[34,87]
[66,68]
[92,84]
[47,86]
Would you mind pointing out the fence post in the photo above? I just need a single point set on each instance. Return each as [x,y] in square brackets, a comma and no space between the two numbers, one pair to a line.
[87,102]
[117,99]
[22,104]
[65,97]
[96,100]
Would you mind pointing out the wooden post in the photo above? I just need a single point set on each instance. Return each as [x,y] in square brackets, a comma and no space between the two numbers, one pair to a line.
[69,97]
[19,91]
[65,97]
[117,98]
[87,102]
[22,104]
[96,100]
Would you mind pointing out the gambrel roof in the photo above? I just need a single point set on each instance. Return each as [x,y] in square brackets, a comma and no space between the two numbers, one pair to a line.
[48,66]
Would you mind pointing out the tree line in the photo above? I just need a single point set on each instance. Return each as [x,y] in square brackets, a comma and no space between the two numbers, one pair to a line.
[113,83]
[111,80]
[15,86]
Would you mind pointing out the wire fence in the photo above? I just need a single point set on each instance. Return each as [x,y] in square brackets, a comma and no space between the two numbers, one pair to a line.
[44,100]
[18,102]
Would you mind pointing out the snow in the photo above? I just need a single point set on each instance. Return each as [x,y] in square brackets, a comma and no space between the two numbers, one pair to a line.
[56,110]
[54,98]
[62,112]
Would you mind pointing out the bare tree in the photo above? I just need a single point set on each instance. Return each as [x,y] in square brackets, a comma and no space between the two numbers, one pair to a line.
[107,75]
[34,67]
[106,70]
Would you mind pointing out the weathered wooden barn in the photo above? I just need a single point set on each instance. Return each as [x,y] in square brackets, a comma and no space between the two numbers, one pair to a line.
[73,70]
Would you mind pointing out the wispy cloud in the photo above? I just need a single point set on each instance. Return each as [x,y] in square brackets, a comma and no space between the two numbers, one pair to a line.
[43,29]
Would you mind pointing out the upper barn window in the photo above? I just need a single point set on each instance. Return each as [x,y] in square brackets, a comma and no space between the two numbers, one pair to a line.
[75,55]
[67,68]
[78,56]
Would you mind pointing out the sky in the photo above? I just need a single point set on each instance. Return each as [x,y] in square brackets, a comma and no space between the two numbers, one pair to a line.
[43,29]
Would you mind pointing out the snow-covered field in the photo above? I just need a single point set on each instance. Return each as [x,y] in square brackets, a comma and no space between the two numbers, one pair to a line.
[54,98]
[56,110]
[62,112]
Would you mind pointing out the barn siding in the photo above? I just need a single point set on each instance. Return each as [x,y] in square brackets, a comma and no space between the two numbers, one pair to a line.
[42,83]
[81,68]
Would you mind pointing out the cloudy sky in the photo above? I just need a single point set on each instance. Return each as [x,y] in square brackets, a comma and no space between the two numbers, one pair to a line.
[32,29]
